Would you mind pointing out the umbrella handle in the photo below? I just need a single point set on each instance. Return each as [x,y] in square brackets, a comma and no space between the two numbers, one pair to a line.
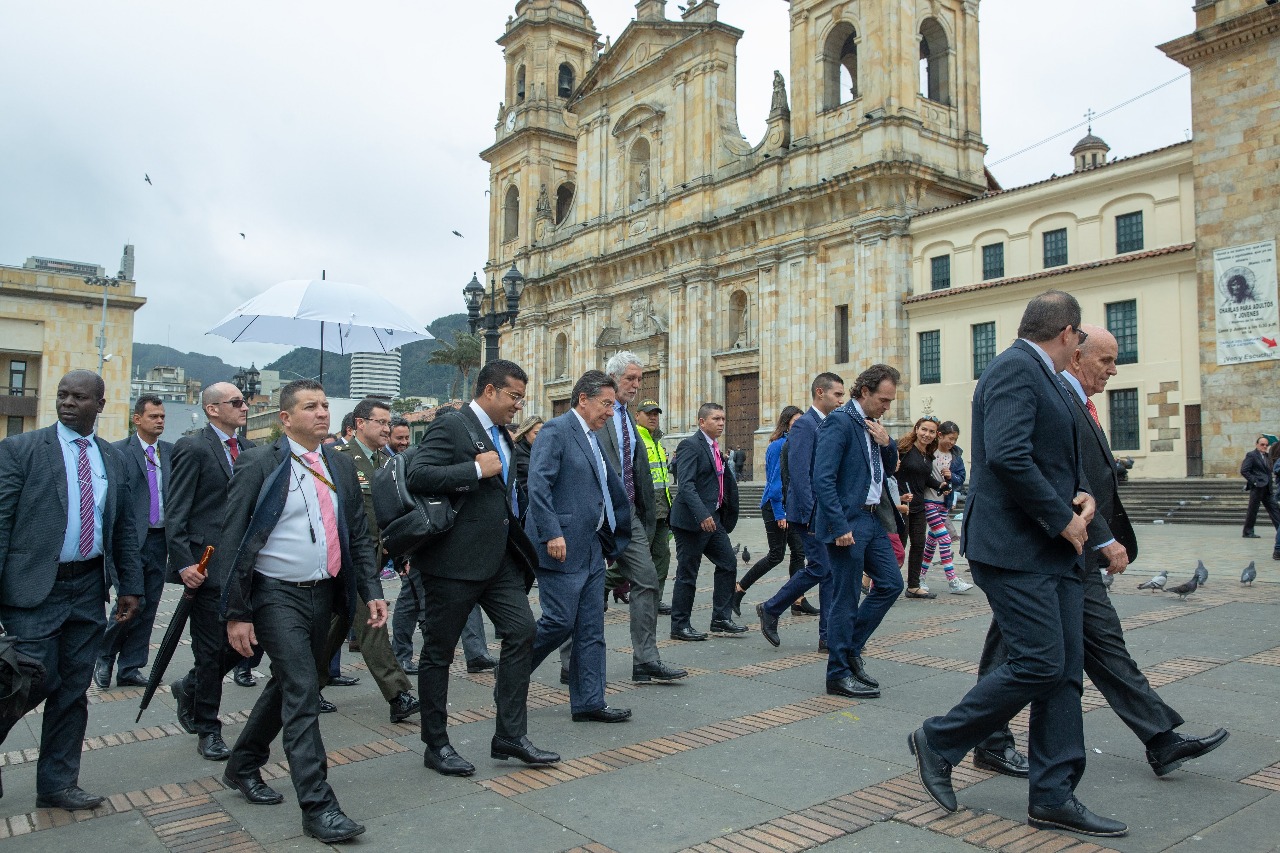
[203,566]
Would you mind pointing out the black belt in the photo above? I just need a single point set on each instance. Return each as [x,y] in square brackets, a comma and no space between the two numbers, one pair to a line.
[153,531]
[298,584]
[67,571]
[870,507]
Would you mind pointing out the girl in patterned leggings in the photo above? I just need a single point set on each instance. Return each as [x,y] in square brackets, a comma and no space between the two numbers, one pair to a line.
[937,540]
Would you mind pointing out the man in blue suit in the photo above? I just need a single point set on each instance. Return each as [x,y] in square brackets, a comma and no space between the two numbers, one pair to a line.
[66,538]
[851,459]
[578,515]
[827,391]
[1025,529]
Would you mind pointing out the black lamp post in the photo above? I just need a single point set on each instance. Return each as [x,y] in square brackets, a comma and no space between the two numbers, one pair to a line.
[248,381]
[492,321]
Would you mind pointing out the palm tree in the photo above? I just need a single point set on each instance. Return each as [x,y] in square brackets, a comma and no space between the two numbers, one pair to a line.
[463,354]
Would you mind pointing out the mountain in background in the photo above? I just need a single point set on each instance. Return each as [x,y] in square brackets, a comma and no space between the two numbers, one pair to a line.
[417,378]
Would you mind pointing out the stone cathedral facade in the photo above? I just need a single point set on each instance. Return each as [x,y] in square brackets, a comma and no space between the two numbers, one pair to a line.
[642,219]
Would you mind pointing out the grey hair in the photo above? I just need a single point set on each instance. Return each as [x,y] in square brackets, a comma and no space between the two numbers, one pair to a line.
[618,364]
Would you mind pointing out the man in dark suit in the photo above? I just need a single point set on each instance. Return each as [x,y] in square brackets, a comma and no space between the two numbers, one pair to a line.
[703,514]
[627,458]
[197,496]
[827,392]
[1111,546]
[852,457]
[295,549]
[67,536]
[576,504]
[365,449]
[485,559]
[149,463]
[1025,530]
[1256,470]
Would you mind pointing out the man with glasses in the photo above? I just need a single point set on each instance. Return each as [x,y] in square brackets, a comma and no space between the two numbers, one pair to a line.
[196,497]
[485,559]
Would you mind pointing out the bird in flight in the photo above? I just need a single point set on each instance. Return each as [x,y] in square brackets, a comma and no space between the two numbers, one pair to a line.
[241,235]
[147,178]
[458,234]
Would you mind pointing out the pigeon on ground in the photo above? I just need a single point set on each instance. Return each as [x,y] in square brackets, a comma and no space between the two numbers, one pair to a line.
[746,555]
[1156,584]
[1182,590]
[1250,572]
[1202,574]
[147,178]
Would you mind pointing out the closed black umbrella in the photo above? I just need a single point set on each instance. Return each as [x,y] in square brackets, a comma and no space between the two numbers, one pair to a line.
[172,636]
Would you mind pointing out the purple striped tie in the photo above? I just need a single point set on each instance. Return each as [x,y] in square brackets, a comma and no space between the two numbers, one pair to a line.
[85,475]
[153,486]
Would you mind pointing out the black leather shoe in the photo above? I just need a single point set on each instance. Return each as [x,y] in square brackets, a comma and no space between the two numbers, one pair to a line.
[1250,535]
[101,674]
[564,675]
[72,799]
[655,669]
[860,673]
[447,762]
[850,687]
[186,705]
[727,626]
[1074,817]
[503,748]
[736,602]
[244,678]
[404,706]
[483,663]
[603,715]
[331,826]
[804,608]
[343,681]
[133,679]
[256,791]
[688,635]
[1007,762]
[822,645]
[1168,759]
[664,609]
[213,748]
[409,668]
[327,707]
[768,626]
[934,771]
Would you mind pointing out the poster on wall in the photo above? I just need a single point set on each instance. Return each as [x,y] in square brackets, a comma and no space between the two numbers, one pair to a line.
[1244,281]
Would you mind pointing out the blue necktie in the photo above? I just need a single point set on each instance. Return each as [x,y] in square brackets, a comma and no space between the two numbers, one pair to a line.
[497,445]
[604,483]
[858,419]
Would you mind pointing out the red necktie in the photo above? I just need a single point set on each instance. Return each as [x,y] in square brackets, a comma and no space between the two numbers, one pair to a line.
[1093,410]
[234,447]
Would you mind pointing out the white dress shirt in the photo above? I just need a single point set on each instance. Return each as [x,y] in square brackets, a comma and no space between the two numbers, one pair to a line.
[70,552]
[297,550]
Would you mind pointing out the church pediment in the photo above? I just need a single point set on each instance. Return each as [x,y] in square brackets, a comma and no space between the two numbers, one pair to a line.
[639,45]
[635,117]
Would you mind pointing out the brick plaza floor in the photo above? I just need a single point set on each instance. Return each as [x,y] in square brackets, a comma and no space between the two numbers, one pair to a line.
[747,754]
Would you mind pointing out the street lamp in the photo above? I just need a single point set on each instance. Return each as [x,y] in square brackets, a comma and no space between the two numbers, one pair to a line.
[104,283]
[248,381]
[491,322]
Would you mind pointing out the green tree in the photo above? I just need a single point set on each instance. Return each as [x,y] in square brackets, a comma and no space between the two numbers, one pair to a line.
[405,405]
[463,355]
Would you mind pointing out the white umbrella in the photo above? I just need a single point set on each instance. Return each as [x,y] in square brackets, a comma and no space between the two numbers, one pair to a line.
[329,315]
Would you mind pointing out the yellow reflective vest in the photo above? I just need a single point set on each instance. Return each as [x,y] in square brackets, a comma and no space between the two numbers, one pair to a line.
[657,470]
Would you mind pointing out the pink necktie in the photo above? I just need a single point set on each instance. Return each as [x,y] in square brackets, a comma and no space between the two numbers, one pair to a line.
[719,460]
[1093,410]
[327,515]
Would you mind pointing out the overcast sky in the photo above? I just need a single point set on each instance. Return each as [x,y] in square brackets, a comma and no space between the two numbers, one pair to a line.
[344,136]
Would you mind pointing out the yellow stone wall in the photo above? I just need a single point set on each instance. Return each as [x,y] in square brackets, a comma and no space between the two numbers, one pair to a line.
[55,319]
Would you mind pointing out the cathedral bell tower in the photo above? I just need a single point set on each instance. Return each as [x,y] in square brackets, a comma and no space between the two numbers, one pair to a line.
[548,46]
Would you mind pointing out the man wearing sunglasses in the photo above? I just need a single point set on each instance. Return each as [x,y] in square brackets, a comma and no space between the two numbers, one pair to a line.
[196,497]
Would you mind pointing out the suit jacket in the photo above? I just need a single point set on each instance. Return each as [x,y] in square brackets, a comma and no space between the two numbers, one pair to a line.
[1110,521]
[33,519]
[253,507]
[364,474]
[1256,469]
[697,487]
[1026,467]
[798,498]
[445,465]
[565,498]
[842,473]
[645,506]
[195,500]
[135,459]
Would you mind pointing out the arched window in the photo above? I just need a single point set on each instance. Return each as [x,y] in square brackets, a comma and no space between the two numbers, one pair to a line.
[840,66]
[935,56]
[561,367]
[511,215]
[520,85]
[564,201]
[641,181]
[564,81]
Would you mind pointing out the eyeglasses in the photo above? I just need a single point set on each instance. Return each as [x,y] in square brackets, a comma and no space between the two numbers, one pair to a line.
[1084,336]
[379,421]
[237,403]
[518,399]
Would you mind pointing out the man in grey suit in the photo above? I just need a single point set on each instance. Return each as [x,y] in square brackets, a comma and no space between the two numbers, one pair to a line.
[197,493]
[66,538]
[148,461]
[578,514]
[1111,546]
[1025,530]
